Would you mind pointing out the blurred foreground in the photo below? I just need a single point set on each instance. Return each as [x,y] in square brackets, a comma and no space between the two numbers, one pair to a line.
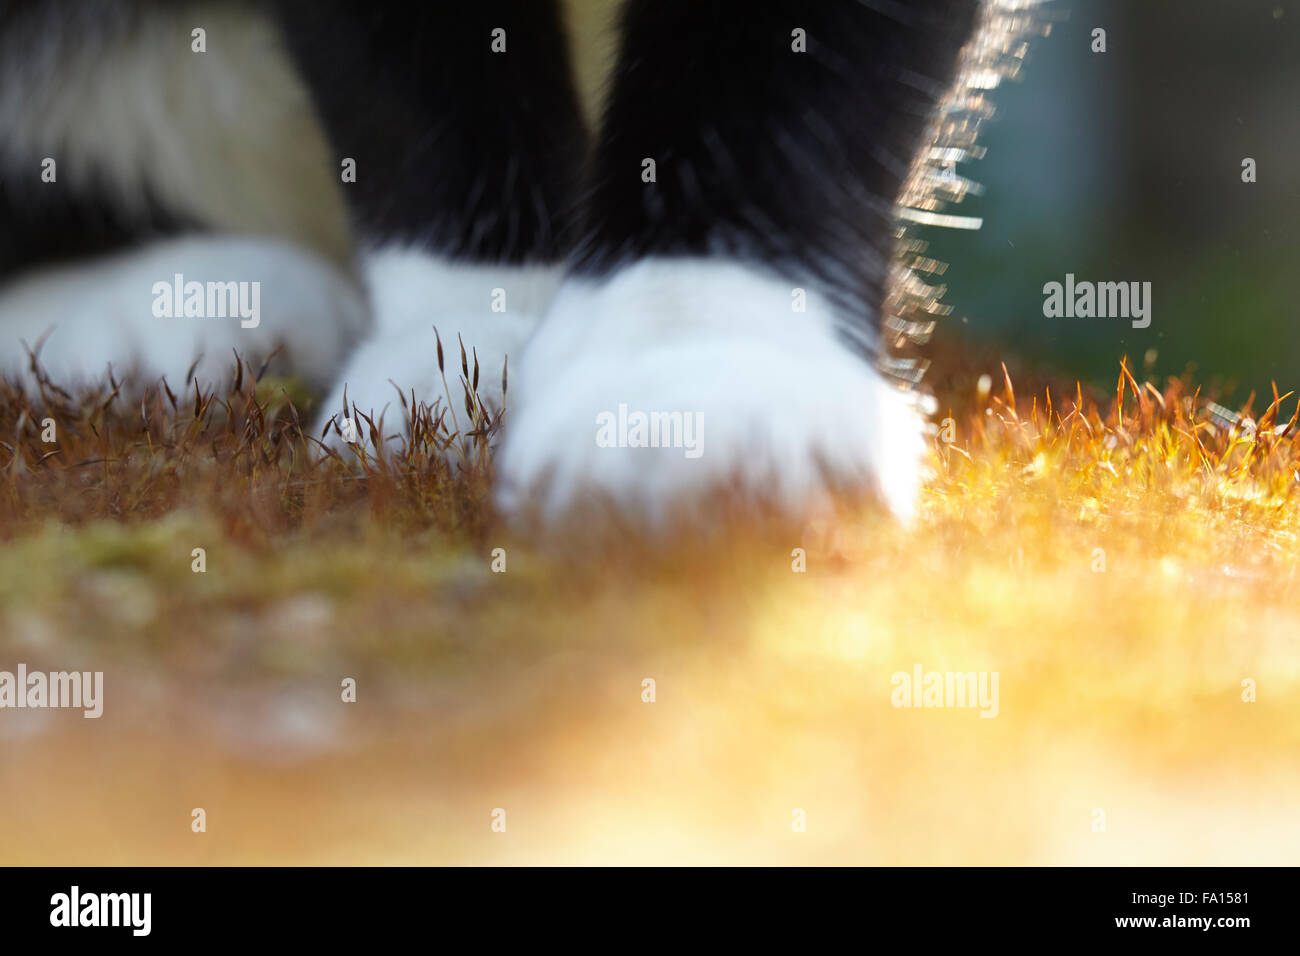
[1120,689]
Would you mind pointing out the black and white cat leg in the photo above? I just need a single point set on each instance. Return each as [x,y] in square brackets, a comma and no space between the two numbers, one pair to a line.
[749,162]
[156,311]
[674,376]
[467,160]
[492,309]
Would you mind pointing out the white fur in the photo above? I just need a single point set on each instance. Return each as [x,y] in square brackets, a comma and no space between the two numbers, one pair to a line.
[784,403]
[413,292]
[100,313]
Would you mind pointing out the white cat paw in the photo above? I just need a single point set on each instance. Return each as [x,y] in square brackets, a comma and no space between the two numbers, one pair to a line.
[491,309]
[674,376]
[157,311]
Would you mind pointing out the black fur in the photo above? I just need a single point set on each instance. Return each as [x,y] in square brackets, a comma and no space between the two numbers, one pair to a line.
[791,159]
[43,224]
[468,152]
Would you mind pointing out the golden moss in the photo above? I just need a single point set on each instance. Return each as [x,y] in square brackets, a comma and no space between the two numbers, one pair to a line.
[1123,564]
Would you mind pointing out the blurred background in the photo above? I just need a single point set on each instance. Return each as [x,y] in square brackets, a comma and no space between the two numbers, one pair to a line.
[1127,166]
